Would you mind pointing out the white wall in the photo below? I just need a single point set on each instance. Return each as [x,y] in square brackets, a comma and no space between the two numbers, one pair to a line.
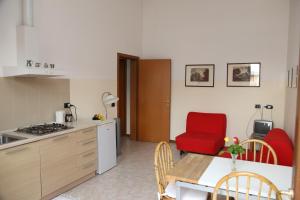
[8,21]
[83,37]
[292,61]
[217,32]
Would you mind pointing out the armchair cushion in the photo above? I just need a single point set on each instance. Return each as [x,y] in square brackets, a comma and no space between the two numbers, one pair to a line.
[199,143]
[204,134]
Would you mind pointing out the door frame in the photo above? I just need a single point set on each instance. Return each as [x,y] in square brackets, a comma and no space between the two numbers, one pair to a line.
[296,175]
[133,95]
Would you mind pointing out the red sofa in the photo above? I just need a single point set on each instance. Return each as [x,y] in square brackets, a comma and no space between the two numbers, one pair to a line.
[279,141]
[204,134]
[282,145]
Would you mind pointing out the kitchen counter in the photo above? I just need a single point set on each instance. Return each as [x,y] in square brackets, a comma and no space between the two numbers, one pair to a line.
[79,125]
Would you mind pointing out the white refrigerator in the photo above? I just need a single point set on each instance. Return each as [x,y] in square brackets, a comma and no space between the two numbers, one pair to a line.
[106,139]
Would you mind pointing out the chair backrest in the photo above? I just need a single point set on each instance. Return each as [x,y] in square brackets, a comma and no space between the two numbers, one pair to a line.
[163,161]
[247,183]
[208,123]
[258,151]
[279,140]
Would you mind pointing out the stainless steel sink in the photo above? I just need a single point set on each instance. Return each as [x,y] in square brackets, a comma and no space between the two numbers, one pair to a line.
[5,138]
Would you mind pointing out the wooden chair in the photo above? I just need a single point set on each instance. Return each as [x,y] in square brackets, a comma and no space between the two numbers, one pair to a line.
[163,161]
[229,185]
[260,151]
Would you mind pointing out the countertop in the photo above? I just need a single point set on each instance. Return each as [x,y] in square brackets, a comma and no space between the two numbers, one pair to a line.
[79,125]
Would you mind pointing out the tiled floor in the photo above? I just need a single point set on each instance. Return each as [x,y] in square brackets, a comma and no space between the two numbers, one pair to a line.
[133,177]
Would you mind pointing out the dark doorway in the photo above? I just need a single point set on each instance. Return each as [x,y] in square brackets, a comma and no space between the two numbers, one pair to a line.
[127,92]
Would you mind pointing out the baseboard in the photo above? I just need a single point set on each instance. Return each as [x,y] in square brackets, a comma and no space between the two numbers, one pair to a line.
[172,141]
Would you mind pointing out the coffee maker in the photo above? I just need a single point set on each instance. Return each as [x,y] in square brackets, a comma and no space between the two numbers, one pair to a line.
[69,114]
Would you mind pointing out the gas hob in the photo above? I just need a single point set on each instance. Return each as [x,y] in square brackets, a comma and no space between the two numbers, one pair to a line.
[43,129]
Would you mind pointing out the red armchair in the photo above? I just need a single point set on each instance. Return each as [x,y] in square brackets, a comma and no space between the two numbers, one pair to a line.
[204,134]
[282,145]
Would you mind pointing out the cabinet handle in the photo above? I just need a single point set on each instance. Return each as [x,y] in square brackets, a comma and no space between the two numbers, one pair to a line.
[60,138]
[89,165]
[88,130]
[89,142]
[88,154]
[17,150]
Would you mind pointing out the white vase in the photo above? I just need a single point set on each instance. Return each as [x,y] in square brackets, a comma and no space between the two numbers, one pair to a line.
[233,163]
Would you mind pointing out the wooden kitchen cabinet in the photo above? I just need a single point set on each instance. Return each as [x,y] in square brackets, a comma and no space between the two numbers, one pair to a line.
[58,163]
[20,173]
[86,143]
[66,159]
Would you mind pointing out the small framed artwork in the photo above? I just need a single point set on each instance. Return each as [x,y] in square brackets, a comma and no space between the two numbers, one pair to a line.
[243,74]
[201,75]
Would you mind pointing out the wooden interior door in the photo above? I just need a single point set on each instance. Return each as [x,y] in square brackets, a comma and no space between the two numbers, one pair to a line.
[154,94]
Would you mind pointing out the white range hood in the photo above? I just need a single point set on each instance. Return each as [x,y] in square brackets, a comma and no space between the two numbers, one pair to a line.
[19,71]
[27,49]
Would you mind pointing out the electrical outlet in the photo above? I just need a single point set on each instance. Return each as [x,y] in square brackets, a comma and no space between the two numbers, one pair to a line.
[67,105]
[269,106]
[257,106]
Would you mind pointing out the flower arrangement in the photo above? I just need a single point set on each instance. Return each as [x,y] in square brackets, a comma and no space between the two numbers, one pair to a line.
[234,148]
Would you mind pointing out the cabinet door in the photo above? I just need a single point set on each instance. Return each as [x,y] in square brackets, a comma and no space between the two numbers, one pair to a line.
[20,173]
[58,163]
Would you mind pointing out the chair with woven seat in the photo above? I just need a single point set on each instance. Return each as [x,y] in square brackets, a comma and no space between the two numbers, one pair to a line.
[256,151]
[250,184]
[163,161]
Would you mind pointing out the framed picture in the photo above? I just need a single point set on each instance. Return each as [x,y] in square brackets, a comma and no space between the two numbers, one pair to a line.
[243,74]
[201,75]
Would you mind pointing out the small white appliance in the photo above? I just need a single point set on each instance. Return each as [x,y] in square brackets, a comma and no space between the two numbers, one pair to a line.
[106,139]
[60,116]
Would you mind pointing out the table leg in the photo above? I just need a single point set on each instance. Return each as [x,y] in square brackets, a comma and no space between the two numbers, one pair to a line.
[178,194]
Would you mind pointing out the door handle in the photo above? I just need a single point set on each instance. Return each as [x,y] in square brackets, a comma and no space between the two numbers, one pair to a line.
[16,150]
[88,142]
[60,138]
[88,154]
[88,130]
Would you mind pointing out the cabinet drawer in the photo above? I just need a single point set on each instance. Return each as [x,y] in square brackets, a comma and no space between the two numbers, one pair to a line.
[86,134]
[87,156]
[87,145]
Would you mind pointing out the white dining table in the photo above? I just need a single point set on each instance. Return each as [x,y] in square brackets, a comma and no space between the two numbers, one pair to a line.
[281,176]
